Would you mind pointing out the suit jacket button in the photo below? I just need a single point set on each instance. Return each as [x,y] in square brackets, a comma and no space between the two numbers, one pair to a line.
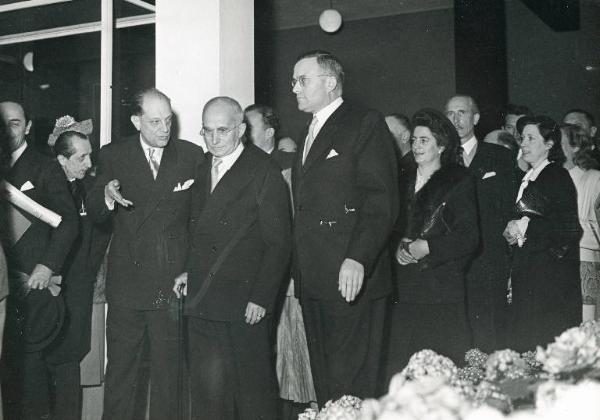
[213,248]
[211,274]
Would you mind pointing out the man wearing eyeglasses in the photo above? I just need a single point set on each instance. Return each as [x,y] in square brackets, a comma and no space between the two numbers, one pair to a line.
[239,253]
[144,186]
[345,197]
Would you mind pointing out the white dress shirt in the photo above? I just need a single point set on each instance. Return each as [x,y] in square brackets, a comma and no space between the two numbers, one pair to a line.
[228,161]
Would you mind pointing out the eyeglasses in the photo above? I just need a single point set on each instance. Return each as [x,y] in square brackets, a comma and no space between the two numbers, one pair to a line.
[219,132]
[303,79]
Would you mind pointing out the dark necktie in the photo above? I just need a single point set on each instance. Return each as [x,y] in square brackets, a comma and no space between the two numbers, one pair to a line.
[461,156]
[78,193]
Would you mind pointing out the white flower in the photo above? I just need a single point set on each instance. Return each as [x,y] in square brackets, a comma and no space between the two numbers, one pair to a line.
[575,349]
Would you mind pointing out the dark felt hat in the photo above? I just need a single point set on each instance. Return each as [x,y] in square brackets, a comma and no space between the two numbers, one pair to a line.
[37,318]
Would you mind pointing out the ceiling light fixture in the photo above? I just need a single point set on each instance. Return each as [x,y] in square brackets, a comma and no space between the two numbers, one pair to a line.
[330,20]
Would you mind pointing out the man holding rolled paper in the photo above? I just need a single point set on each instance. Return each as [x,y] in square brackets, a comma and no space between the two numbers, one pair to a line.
[35,251]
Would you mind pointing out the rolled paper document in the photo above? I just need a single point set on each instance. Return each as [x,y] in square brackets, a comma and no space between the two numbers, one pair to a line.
[16,197]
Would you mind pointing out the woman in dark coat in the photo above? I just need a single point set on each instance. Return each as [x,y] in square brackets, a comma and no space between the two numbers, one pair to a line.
[546,291]
[437,234]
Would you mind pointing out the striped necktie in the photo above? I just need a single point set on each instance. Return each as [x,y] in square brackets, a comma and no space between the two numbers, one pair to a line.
[154,165]
[310,138]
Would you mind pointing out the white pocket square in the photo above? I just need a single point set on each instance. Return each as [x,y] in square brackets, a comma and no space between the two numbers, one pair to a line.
[489,175]
[186,185]
[27,186]
[332,153]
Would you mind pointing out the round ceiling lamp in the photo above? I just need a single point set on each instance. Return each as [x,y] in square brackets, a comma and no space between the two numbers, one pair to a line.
[330,20]
[28,61]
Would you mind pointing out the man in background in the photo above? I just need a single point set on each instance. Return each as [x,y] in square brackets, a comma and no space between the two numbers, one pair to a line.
[39,252]
[487,277]
[400,128]
[263,125]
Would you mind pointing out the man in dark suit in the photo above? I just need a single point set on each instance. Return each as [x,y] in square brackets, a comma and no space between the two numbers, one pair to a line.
[345,193]
[263,127]
[487,277]
[73,151]
[239,254]
[143,184]
[40,252]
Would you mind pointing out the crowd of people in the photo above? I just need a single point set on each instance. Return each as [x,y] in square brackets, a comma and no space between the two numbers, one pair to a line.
[266,269]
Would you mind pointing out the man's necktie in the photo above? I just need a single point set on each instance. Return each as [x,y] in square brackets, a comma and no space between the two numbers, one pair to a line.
[154,165]
[78,193]
[310,138]
[214,173]
[461,156]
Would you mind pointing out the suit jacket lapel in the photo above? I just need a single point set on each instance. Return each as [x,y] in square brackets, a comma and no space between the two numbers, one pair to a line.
[325,137]
[230,185]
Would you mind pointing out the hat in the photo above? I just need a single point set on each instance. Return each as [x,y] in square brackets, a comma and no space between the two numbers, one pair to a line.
[68,123]
[34,317]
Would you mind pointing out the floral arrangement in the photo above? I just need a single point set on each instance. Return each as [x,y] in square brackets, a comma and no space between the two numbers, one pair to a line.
[428,363]
[552,383]
[346,408]
[576,350]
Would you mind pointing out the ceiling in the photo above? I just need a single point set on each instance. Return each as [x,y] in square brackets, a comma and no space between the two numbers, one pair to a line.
[286,14]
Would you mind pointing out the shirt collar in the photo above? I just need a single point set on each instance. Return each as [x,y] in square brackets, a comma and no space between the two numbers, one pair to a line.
[228,161]
[16,154]
[469,145]
[532,174]
[158,151]
[323,114]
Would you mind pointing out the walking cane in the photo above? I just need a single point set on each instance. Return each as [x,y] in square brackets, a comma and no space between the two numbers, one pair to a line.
[180,355]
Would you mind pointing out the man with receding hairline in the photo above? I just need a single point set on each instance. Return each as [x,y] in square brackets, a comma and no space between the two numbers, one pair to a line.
[345,194]
[143,187]
[493,167]
[239,252]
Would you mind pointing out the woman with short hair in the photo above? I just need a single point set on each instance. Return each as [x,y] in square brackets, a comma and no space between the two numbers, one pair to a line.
[546,292]
[437,235]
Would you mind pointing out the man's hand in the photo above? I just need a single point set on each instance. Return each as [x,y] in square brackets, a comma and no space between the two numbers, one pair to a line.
[403,256]
[419,249]
[254,313]
[180,287]
[511,232]
[351,278]
[112,194]
[40,277]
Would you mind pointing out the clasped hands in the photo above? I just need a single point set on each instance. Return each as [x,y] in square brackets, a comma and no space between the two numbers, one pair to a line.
[410,252]
[254,313]
[514,231]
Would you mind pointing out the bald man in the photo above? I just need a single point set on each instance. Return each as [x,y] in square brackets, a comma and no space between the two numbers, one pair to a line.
[239,253]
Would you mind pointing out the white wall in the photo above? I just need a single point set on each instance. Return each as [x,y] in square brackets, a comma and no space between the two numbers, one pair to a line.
[204,49]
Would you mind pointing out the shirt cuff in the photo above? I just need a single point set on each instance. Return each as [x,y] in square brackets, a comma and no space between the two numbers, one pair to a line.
[110,203]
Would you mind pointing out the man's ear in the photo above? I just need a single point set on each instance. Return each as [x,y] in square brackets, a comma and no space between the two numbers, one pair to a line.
[136,121]
[406,136]
[62,160]
[28,127]
[241,129]
[476,118]
[331,83]
[593,130]
[270,132]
